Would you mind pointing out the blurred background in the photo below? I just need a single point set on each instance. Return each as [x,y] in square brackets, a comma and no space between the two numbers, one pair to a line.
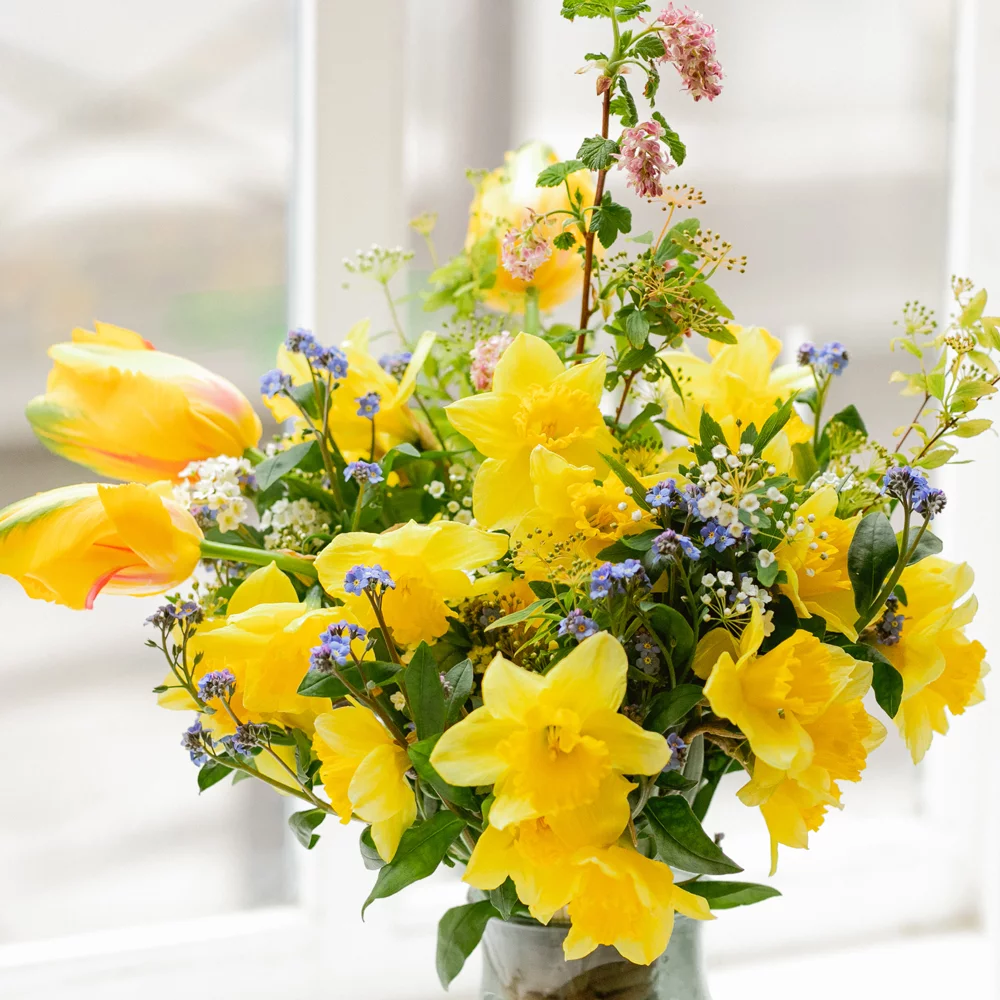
[195,172]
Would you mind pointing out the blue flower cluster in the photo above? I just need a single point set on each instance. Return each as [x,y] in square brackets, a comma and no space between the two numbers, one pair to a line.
[670,544]
[890,626]
[329,359]
[613,578]
[578,625]
[665,494]
[196,741]
[903,484]
[648,652]
[830,359]
[361,578]
[335,647]
[678,753]
[369,404]
[363,472]
[274,382]
[248,737]
[217,684]
[716,536]
[396,364]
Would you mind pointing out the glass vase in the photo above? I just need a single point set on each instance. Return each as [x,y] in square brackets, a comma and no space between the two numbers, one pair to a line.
[524,961]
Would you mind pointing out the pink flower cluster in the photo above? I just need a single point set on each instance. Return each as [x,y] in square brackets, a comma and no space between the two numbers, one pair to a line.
[485,356]
[689,43]
[644,158]
[523,252]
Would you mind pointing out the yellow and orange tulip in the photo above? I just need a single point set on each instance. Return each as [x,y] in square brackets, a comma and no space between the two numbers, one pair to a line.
[127,411]
[72,543]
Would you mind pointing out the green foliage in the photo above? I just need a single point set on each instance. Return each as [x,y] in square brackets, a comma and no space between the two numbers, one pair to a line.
[870,559]
[624,105]
[726,895]
[459,933]
[598,153]
[556,173]
[460,679]
[425,693]
[887,682]
[303,825]
[211,774]
[564,241]
[420,757]
[678,151]
[421,849]
[272,469]
[319,685]
[680,840]
[670,707]
[369,852]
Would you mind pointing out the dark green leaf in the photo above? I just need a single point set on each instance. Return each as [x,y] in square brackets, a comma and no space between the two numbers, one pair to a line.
[424,692]
[680,840]
[419,853]
[650,47]
[887,682]
[304,823]
[317,685]
[628,479]
[533,610]
[871,557]
[726,895]
[670,707]
[211,774]
[504,898]
[624,106]
[637,328]
[369,852]
[672,626]
[598,153]
[564,241]
[675,781]
[556,173]
[929,544]
[401,454]
[459,933]
[678,151]
[272,469]
[420,757]
[303,753]
[610,219]
[772,426]
[460,679]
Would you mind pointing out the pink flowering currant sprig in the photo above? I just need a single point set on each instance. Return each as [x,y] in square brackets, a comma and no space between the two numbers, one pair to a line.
[524,250]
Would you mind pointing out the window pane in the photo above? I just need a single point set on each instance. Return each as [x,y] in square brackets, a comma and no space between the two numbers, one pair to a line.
[144,153]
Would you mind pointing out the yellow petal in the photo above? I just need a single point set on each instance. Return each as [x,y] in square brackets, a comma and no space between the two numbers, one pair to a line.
[502,492]
[510,691]
[387,833]
[267,585]
[468,753]
[529,361]
[486,421]
[710,647]
[492,859]
[633,749]
[351,732]
[592,677]
[420,353]
[379,788]
[588,377]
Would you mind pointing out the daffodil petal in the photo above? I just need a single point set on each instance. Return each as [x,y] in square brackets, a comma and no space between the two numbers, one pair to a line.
[510,691]
[469,753]
[592,677]
[633,750]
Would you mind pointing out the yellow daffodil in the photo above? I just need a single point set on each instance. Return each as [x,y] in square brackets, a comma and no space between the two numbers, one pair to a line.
[429,565]
[72,543]
[505,199]
[553,743]
[395,421]
[536,400]
[364,773]
[573,517]
[942,668]
[815,563]
[793,802]
[127,411]
[738,386]
[774,696]
[628,901]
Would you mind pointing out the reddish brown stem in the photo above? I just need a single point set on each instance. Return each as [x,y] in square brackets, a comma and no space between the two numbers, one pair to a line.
[625,391]
[588,258]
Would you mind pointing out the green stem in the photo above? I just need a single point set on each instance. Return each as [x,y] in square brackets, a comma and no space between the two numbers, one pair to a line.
[259,557]
[532,314]
[905,555]
[356,519]
[821,391]
[394,315]
[254,456]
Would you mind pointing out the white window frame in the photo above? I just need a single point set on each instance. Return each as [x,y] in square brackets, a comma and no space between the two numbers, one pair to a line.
[931,872]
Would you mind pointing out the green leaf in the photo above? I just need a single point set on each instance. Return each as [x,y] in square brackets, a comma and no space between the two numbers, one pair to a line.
[401,454]
[554,175]
[929,544]
[887,682]
[369,852]
[669,707]
[669,623]
[424,692]
[504,898]
[609,220]
[419,853]
[272,469]
[317,685]
[211,774]
[420,757]
[304,823]
[678,151]
[564,241]
[303,754]
[705,293]
[726,895]
[637,328]
[533,610]
[680,840]
[650,47]
[766,575]
[598,153]
[460,679]
[624,106]
[587,8]
[675,781]
[772,427]
[628,480]
[459,933]
[871,557]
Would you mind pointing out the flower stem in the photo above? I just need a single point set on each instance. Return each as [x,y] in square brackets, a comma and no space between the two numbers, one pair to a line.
[299,565]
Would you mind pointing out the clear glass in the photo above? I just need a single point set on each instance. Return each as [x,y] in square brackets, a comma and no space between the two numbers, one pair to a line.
[524,961]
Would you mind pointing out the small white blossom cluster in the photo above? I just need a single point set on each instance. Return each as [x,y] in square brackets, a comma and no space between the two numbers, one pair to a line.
[289,522]
[212,490]
[727,491]
[726,598]
[381,263]
[459,506]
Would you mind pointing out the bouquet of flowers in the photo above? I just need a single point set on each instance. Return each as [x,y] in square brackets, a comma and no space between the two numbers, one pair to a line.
[517,596]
